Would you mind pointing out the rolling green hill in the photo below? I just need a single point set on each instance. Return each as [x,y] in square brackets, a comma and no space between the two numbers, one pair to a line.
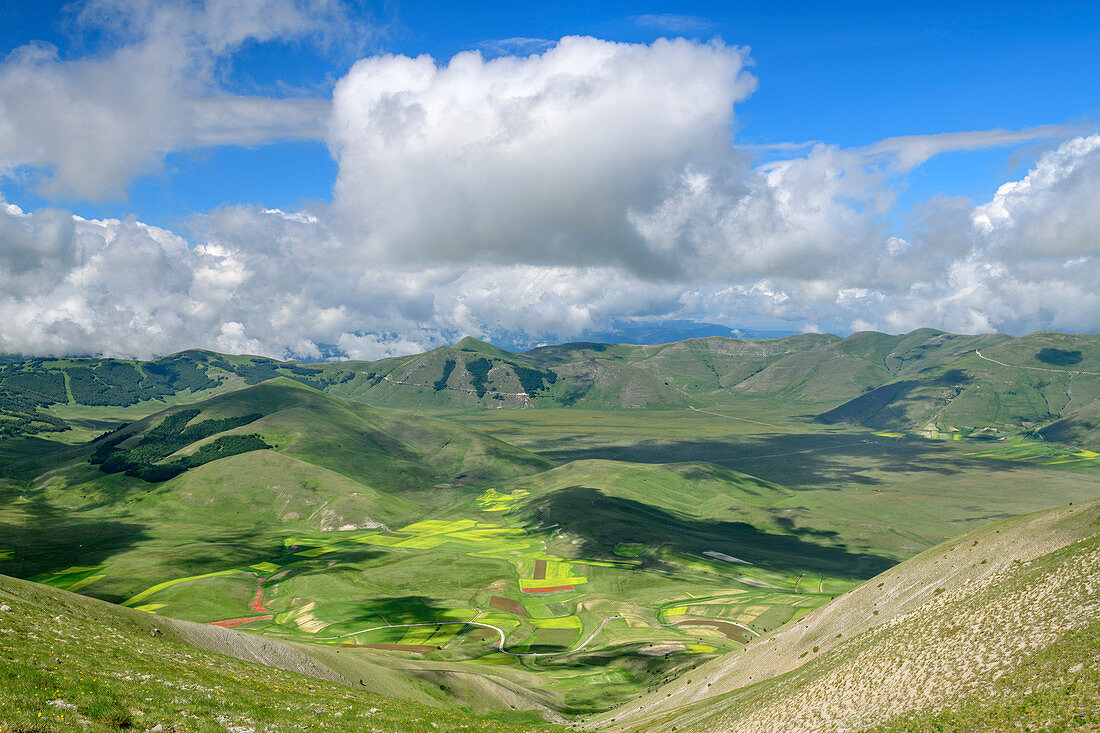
[47,395]
[323,527]
[991,630]
[317,463]
[1044,384]
[471,372]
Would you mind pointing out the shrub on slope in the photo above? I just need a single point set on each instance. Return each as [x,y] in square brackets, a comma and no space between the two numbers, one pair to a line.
[169,436]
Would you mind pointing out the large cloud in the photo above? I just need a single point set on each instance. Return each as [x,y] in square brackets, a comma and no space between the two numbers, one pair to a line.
[1032,253]
[538,159]
[1054,211]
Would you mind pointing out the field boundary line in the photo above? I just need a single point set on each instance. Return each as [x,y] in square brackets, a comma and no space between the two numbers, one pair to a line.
[745,419]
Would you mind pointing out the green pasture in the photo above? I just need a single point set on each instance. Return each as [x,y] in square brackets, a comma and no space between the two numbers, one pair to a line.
[1038,453]
[879,492]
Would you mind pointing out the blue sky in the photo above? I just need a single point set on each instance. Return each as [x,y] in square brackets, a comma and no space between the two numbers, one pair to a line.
[844,73]
[851,165]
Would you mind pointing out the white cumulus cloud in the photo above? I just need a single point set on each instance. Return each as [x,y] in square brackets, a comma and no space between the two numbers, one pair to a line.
[91,124]
[535,159]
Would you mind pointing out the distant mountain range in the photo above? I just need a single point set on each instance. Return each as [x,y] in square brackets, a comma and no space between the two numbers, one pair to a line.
[926,382]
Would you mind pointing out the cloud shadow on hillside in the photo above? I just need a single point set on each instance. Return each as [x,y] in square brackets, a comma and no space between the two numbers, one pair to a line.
[879,407]
[47,540]
[1067,430]
[602,521]
[394,610]
[794,460]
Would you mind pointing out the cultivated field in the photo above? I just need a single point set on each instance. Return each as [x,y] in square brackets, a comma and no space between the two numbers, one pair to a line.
[484,591]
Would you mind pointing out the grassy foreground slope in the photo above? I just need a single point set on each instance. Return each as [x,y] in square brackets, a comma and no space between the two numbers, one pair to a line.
[73,663]
[987,631]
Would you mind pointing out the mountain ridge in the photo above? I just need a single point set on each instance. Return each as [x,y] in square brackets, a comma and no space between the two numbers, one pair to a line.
[927,382]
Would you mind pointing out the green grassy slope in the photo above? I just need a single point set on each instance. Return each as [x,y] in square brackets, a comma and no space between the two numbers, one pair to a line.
[469,373]
[300,523]
[884,494]
[1046,384]
[925,382]
[991,629]
[72,663]
[333,465]
[597,376]
[665,532]
[392,451]
[47,395]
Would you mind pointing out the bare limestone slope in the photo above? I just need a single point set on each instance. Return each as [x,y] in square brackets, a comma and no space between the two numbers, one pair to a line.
[956,628]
